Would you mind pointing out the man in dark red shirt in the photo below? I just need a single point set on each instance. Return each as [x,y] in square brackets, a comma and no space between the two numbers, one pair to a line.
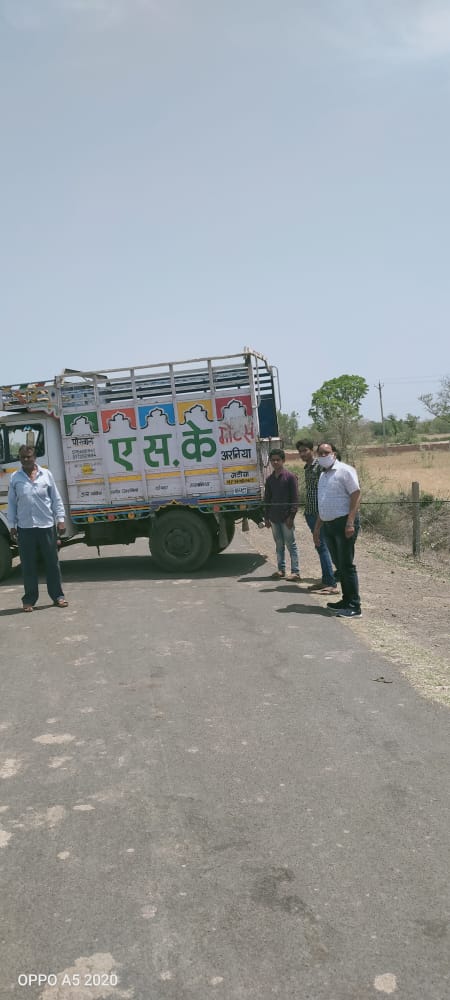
[281,505]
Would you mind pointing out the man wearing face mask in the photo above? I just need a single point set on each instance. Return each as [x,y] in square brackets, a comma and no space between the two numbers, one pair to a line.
[338,501]
[305,448]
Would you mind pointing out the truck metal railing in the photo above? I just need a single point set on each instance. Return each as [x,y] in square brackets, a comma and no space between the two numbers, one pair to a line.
[195,384]
[195,376]
[28,396]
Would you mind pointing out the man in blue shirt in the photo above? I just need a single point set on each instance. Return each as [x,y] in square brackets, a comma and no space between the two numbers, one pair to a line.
[34,505]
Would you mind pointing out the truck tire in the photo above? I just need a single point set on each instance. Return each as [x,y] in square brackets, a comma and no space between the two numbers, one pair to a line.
[231,528]
[5,557]
[181,541]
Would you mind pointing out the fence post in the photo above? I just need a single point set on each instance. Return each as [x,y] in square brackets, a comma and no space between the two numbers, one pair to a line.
[415,494]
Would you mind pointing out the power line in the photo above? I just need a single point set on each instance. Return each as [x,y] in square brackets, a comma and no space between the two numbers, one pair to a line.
[413,379]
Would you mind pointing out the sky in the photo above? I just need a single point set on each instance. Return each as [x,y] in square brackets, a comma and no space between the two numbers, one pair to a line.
[183,178]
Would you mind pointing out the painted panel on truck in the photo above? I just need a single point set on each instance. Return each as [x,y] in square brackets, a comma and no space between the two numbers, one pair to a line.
[155,452]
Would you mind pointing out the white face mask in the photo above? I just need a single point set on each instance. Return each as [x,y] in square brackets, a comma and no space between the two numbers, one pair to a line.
[326,461]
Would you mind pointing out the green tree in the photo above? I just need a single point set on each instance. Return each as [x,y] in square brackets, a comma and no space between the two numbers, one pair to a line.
[411,428]
[288,428]
[393,425]
[403,431]
[439,403]
[376,428]
[335,408]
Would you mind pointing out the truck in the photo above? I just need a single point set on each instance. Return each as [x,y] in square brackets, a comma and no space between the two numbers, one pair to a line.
[176,452]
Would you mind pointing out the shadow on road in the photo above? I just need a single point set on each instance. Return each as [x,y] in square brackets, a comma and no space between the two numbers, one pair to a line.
[304,609]
[19,610]
[104,568]
[283,588]
[282,585]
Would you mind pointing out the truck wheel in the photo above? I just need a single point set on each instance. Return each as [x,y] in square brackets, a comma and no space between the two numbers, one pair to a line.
[180,541]
[5,557]
[231,527]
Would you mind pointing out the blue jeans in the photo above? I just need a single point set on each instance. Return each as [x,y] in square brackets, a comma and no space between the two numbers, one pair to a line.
[328,578]
[343,553]
[284,537]
[32,542]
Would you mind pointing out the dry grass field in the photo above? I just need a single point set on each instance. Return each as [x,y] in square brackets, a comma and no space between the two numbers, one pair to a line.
[386,491]
[389,473]
[395,473]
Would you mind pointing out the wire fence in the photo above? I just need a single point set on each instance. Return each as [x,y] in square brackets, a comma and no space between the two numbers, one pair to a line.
[417,520]
[417,524]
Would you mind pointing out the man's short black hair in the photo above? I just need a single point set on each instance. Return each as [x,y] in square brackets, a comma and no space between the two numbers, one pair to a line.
[278,451]
[305,443]
[333,448]
[26,447]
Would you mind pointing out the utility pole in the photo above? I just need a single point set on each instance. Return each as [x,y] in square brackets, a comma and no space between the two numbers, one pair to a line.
[379,387]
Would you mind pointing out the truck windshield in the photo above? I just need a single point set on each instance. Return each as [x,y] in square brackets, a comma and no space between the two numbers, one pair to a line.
[32,435]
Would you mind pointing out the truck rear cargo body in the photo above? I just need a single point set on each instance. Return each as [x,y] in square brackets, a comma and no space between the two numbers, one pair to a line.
[134,446]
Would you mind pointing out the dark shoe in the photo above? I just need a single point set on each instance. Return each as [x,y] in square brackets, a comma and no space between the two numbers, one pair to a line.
[335,605]
[278,575]
[349,613]
[61,603]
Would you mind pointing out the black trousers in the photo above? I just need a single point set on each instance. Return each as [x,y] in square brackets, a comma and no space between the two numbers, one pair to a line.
[32,543]
[342,551]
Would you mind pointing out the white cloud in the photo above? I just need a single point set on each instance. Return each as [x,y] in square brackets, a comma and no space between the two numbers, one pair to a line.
[25,15]
[392,30]
[20,14]
[106,10]
[386,29]
[429,33]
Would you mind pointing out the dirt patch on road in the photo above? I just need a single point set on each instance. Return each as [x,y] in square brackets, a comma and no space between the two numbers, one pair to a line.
[406,605]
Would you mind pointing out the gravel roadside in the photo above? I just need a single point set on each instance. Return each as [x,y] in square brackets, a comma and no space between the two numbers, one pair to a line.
[406,605]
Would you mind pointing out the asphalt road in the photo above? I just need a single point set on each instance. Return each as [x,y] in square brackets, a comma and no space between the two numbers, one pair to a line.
[207,791]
